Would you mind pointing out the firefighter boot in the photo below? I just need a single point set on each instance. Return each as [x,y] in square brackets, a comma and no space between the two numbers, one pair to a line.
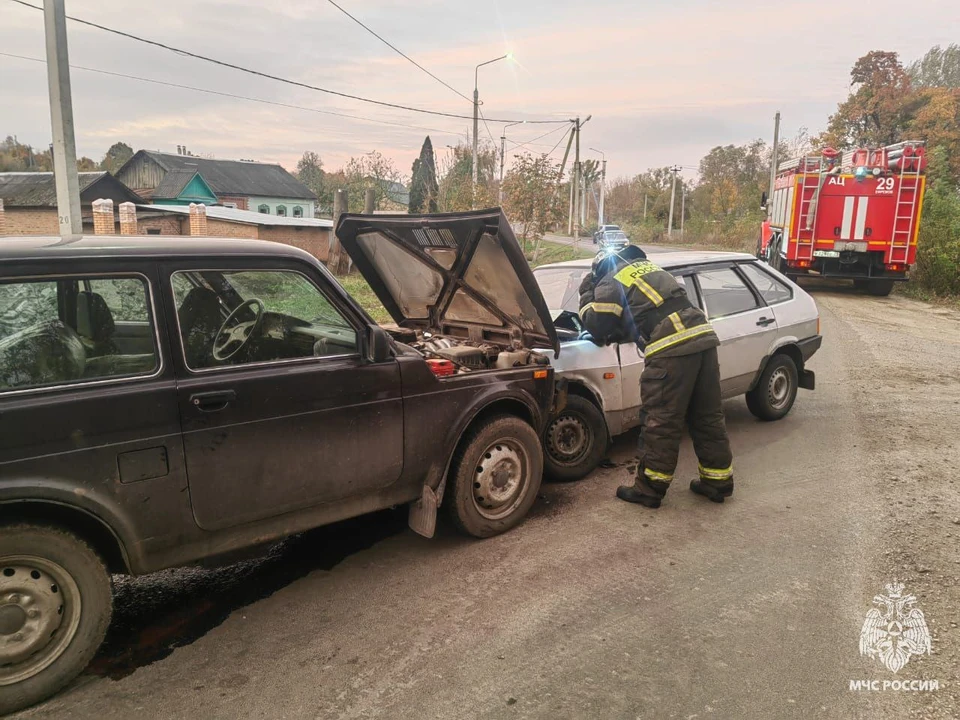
[715,490]
[643,491]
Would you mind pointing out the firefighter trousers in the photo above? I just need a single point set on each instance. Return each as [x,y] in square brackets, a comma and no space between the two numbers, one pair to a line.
[683,390]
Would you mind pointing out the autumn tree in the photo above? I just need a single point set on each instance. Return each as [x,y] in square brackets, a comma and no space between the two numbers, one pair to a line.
[878,106]
[423,181]
[732,178]
[116,155]
[371,170]
[85,164]
[455,191]
[530,198]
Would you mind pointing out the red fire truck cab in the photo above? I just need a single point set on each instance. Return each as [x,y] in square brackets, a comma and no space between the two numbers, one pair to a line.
[852,215]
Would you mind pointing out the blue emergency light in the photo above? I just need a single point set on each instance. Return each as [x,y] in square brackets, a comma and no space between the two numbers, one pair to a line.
[860,173]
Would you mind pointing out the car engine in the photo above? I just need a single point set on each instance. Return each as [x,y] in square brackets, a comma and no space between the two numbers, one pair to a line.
[465,355]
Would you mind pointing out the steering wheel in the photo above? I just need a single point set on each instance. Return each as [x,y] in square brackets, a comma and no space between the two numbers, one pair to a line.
[239,334]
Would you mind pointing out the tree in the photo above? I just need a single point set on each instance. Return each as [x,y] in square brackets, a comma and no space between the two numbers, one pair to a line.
[878,106]
[456,178]
[939,68]
[423,181]
[17,157]
[530,197]
[115,157]
[310,172]
[85,164]
[371,170]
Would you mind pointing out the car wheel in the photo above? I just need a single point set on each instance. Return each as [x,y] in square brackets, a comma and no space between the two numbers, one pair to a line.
[495,476]
[575,440]
[879,288]
[776,391]
[55,606]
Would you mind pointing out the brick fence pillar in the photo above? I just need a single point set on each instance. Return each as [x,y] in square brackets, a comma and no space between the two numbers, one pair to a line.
[128,219]
[198,219]
[103,217]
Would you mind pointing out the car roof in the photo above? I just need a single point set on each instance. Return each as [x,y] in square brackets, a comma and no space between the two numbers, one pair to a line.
[121,246]
[667,260]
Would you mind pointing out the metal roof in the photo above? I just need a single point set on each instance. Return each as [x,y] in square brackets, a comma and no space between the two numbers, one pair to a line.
[233,177]
[248,217]
[36,189]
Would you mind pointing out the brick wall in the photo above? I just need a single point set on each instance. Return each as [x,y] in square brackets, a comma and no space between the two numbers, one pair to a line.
[225,228]
[240,200]
[314,240]
[166,225]
[40,221]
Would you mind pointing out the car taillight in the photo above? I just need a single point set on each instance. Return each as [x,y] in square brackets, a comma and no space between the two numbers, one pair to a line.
[896,267]
[441,368]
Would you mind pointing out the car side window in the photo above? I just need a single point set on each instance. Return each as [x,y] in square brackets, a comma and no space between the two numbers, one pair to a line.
[70,330]
[239,317]
[686,282]
[770,288]
[725,293]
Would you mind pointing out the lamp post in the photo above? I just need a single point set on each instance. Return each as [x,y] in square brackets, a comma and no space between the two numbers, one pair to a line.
[603,187]
[503,140]
[476,118]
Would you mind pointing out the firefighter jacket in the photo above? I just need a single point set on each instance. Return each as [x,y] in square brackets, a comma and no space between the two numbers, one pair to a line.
[622,301]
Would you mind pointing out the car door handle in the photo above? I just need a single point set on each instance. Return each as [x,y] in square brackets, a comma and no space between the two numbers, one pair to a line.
[213,401]
[764,321]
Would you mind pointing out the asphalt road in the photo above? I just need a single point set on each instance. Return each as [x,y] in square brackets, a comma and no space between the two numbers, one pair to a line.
[594,608]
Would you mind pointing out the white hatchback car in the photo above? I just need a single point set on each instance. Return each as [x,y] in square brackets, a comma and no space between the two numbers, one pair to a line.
[768,328]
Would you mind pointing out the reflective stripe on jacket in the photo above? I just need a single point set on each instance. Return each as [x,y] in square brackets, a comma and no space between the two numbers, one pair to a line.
[660,316]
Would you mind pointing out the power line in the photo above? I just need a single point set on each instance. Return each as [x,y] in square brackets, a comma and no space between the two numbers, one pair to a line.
[277,78]
[397,50]
[562,138]
[235,97]
[534,140]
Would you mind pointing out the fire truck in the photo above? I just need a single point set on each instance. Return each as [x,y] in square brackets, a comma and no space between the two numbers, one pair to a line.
[849,215]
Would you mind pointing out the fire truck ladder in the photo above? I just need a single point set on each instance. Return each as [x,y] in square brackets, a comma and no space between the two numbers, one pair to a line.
[908,201]
[811,179]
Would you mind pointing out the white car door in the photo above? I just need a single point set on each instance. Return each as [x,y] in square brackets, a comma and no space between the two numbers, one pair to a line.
[746,327]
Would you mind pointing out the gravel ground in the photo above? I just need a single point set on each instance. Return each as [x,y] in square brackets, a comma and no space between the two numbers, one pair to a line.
[598,609]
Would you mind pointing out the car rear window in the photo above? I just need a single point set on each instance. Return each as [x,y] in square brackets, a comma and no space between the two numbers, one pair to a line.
[69,330]
[725,292]
[770,288]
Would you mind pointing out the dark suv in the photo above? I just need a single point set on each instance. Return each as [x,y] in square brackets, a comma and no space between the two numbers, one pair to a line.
[163,401]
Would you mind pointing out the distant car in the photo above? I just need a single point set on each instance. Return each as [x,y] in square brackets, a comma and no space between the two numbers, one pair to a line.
[166,400]
[768,328]
[602,229]
[612,239]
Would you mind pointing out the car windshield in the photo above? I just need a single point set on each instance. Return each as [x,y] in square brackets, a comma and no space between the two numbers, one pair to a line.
[615,236]
[561,287]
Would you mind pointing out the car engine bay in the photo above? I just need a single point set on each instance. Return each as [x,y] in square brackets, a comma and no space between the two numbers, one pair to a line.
[464,355]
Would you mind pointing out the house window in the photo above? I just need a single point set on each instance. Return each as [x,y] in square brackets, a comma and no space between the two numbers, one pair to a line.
[282,210]
[230,205]
[297,211]
[265,209]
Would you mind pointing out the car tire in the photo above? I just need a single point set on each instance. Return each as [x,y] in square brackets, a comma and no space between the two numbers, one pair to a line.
[776,390]
[574,441]
[879,288]
[495,476]
[56,595]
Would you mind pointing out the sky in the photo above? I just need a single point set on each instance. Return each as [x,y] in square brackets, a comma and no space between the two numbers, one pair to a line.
[664,80]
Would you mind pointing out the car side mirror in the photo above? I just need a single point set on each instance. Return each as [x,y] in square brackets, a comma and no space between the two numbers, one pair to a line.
[377,345]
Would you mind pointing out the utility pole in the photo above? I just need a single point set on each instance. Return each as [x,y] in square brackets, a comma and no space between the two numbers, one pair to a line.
[683,209]
[774,158]
[503,140]
[603,194]
[673,195]
[645,207]
[476,118]
[577,181]
[65,175]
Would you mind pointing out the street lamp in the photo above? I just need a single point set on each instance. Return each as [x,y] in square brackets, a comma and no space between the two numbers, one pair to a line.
[476,114]
[603,187]
[503,139]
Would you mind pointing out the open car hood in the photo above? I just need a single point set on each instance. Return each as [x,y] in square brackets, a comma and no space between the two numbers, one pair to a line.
[457,274]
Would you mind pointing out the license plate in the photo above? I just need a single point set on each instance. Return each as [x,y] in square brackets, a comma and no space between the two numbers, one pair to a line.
[826,253]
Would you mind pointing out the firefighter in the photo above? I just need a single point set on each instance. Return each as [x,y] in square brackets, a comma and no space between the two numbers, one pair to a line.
[628,298]
[766,234]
